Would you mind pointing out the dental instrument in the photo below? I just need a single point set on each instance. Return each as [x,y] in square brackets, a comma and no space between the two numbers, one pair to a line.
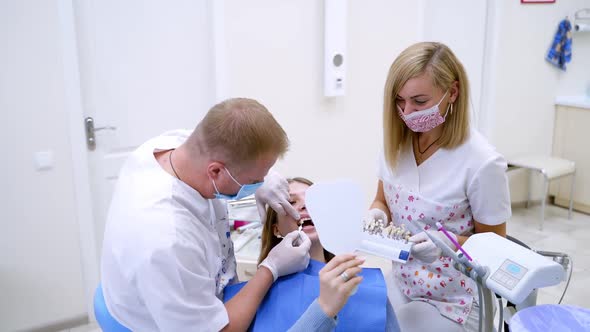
[452,239]
[241,229]
[299,228]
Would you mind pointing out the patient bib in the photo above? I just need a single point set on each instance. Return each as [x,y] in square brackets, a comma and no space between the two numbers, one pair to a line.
[291,295]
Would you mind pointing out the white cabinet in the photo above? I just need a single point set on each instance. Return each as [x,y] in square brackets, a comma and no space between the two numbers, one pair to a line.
[570,141]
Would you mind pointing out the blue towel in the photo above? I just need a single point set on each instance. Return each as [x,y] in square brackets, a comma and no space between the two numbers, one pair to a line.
[560,52]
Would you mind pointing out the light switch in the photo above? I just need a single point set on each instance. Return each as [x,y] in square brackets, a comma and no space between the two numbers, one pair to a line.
[44,160]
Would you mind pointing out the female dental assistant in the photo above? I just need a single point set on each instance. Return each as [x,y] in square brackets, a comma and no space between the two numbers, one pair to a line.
[435,168]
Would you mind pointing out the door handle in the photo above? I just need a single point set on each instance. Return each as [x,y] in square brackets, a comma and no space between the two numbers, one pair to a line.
[90,130]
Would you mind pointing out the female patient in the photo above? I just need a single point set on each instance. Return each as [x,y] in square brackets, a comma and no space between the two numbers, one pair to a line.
[294,302]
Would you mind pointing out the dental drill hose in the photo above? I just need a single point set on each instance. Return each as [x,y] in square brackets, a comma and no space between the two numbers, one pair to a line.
[565,260]
[480,295]
[474,271]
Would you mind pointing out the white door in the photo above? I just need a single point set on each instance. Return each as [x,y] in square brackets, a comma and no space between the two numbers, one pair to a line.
[145,67]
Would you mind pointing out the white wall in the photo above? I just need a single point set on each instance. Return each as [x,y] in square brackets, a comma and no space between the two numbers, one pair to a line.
[525,85]
[40,271]
[274,51]
[576,81]
[465,36]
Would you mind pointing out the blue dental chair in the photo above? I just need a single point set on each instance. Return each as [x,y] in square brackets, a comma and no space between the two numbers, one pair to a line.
[106,322]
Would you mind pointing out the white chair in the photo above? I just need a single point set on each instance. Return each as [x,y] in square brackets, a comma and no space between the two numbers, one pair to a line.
[551,168]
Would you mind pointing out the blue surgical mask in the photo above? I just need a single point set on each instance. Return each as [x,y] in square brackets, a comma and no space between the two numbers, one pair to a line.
[245,189]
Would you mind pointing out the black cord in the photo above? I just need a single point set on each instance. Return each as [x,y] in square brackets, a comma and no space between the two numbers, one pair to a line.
[431,144]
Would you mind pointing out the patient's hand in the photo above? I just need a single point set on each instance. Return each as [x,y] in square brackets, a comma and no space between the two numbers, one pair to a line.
[338,280]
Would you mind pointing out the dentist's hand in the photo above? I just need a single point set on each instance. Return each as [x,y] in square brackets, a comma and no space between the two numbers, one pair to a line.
[376,214]
[275,193]
[338,280]
[425,250]
[289,256]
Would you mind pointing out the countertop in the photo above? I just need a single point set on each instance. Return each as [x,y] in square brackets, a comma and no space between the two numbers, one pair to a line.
[579,101]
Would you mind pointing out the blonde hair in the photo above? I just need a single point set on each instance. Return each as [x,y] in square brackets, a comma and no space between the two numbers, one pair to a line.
[238,131]
[268,238]
[444,68]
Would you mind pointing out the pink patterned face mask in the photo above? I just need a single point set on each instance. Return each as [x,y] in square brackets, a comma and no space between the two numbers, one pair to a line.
[425,120]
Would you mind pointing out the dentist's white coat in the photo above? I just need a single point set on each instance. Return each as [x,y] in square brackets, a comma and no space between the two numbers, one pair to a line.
[167,255]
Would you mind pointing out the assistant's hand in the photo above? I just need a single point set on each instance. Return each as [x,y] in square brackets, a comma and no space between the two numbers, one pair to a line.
[425,250]
[338,280]
[375,214]
[289,256]
[275,193]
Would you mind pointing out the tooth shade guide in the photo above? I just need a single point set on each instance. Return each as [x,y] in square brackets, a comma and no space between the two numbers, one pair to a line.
[377,227]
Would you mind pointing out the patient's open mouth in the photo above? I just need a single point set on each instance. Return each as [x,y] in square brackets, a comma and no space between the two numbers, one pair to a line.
[306,222]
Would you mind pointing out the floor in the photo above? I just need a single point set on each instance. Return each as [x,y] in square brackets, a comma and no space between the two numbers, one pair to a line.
[559,234]
[93,327]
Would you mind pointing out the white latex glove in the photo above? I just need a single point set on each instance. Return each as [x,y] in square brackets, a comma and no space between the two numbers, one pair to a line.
[289,256]
[275,193]
[335,289]
[376,214]
[425,250]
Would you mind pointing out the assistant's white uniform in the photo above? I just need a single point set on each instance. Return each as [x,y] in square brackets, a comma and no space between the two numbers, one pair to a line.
[453,187]
[167,255]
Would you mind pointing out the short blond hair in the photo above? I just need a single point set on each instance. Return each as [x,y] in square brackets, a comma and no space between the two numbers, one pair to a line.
[444,68]
[238,131]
